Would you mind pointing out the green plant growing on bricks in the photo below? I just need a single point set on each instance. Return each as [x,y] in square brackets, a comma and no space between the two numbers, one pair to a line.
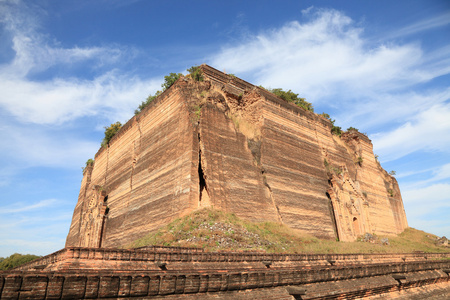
[292,97]
[391,193]
[170,79]
[359,160]
[146,102]
[89,162]
[196,73]
[336,130]
[110,131]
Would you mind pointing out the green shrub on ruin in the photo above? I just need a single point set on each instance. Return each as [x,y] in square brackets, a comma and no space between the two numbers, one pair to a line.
[196,73]
[336,130]
[359,160]
[146,102]
[170,79]
[89,162]
[110,131]
[292,97]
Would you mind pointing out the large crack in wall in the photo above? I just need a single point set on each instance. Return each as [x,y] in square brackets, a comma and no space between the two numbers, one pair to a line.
[255,148]
[204,199]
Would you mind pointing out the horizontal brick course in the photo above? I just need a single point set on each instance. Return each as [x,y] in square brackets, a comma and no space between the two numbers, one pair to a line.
[353,279]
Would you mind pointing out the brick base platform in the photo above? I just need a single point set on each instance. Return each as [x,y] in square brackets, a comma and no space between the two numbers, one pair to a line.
[184,273]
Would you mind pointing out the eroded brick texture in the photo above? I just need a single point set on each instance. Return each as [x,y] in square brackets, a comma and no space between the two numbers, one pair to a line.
[199,275]
[228,144]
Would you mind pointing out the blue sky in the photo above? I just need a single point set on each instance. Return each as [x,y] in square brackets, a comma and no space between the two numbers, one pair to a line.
[69,68]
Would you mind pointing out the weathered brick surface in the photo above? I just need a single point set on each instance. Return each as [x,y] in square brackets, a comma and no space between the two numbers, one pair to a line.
[109,286]
[34,287]
[11,287]
[139,286]
[438,291]
[55,286]
[345,281]
[74,287]
[228,144]
[184,258]
[92,286]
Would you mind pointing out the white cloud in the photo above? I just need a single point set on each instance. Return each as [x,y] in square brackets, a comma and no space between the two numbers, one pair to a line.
[379,109]
[35,51]
[61,100]
[428,131]
[33,227]
[16,208]
[420,203]
[33,146]
[58,100]
[422,25]
[324,56]
[434,194]
[33,54]
[442,173]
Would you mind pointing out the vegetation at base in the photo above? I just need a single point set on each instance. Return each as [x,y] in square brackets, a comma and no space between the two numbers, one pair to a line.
[336,130]
[292,97]
[89,162]
[16,260]
[214,230]
[110,131]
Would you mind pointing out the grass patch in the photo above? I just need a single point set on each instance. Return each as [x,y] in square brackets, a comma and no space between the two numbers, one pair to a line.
[215,230]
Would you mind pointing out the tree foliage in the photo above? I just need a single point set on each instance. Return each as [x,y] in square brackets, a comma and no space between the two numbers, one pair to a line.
[196,73]
[89,162]
[146,102]
[352,128]
[16,260]
[110,131]
[292,97]
[170,79]
[336,130]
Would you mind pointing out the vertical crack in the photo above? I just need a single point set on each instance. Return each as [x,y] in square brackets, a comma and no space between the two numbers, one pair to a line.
[255,148]
[332,213]
[280,219]
[204,199]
